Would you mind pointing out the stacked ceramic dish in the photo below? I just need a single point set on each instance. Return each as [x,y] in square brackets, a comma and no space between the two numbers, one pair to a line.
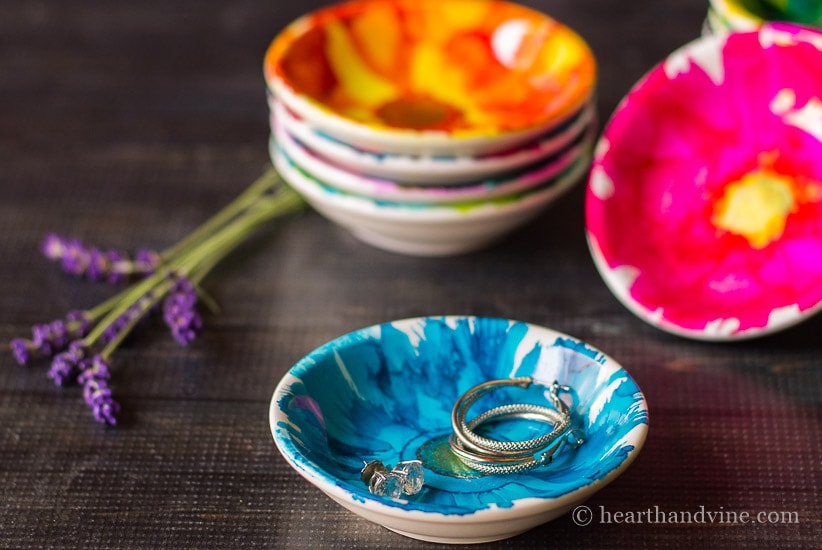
[430,127]
[748,15]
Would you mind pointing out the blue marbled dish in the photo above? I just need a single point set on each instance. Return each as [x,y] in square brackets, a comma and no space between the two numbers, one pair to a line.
[386,392]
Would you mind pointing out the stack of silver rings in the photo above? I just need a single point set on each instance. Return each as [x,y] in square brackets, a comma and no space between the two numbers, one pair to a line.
[492,456]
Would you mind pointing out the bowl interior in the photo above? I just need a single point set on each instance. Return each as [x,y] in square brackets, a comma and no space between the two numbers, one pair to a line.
[386,392]
[704,204]
[462,67]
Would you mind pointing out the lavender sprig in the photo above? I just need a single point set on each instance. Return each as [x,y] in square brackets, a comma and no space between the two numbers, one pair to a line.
[134,314]
[113,266]
[180,312]
[66,365]
[95,368]
[82,344]
[97,395]
[48,339]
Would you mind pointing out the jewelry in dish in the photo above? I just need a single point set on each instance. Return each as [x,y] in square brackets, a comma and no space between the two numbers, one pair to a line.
[406,478]
[495,456]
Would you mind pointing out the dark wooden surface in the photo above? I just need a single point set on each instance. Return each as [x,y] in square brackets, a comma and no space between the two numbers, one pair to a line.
[128,123]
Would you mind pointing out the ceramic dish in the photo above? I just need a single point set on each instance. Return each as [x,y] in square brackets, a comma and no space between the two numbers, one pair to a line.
[747,15]
[384,190]
[731,15]
[423,230]
[433,170]
[450,77]
[704,203]
[805,12]
[386,393]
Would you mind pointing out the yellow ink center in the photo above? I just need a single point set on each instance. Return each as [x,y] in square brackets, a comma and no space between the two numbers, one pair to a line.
[756,207]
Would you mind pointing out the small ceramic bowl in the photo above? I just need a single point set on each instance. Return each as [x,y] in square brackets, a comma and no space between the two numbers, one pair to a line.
[731,15]
[704,202]
[386,393]
[425,230]
[748,15]
[439,77]
[804,12]
[434,170]
[545,173]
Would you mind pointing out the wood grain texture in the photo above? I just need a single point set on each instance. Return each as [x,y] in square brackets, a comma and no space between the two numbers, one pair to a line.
[128,123]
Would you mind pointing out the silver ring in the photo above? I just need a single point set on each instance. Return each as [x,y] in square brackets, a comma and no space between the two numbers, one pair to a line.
[559,420]
[488,464]
[494,456]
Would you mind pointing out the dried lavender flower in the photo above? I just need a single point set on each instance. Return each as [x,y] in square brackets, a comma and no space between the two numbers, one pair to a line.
[41,339]
[66,365]
[22,350]
[98,396]
[79,323]
[75,259]
[180,312]
[52,246]
[146,261]
[48,339]
[132,314]
[80,259]
[94,368]
[58,334]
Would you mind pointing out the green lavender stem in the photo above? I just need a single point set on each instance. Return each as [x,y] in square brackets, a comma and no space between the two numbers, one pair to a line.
[197,256]
[247,198]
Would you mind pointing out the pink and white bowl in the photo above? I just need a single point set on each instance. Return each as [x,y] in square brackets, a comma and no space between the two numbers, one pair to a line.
[704,201]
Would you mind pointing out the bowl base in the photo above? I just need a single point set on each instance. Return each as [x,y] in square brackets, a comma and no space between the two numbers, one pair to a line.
[417,248]
[458,540]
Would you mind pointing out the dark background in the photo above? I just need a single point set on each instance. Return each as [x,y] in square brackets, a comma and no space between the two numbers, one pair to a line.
[128,123]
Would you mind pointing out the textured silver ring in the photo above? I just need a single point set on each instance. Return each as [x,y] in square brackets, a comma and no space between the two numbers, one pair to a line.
[464,431]
[489,464]
[494,456]
[559,420]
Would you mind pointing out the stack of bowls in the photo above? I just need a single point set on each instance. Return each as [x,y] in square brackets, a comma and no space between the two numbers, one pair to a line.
[748,15]
[430,127]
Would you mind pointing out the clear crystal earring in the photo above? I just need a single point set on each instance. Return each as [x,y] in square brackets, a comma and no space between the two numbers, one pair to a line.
[412,476]
[380,480]
[406,478]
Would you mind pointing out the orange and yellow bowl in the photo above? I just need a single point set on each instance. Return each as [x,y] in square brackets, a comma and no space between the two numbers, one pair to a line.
[459,77]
